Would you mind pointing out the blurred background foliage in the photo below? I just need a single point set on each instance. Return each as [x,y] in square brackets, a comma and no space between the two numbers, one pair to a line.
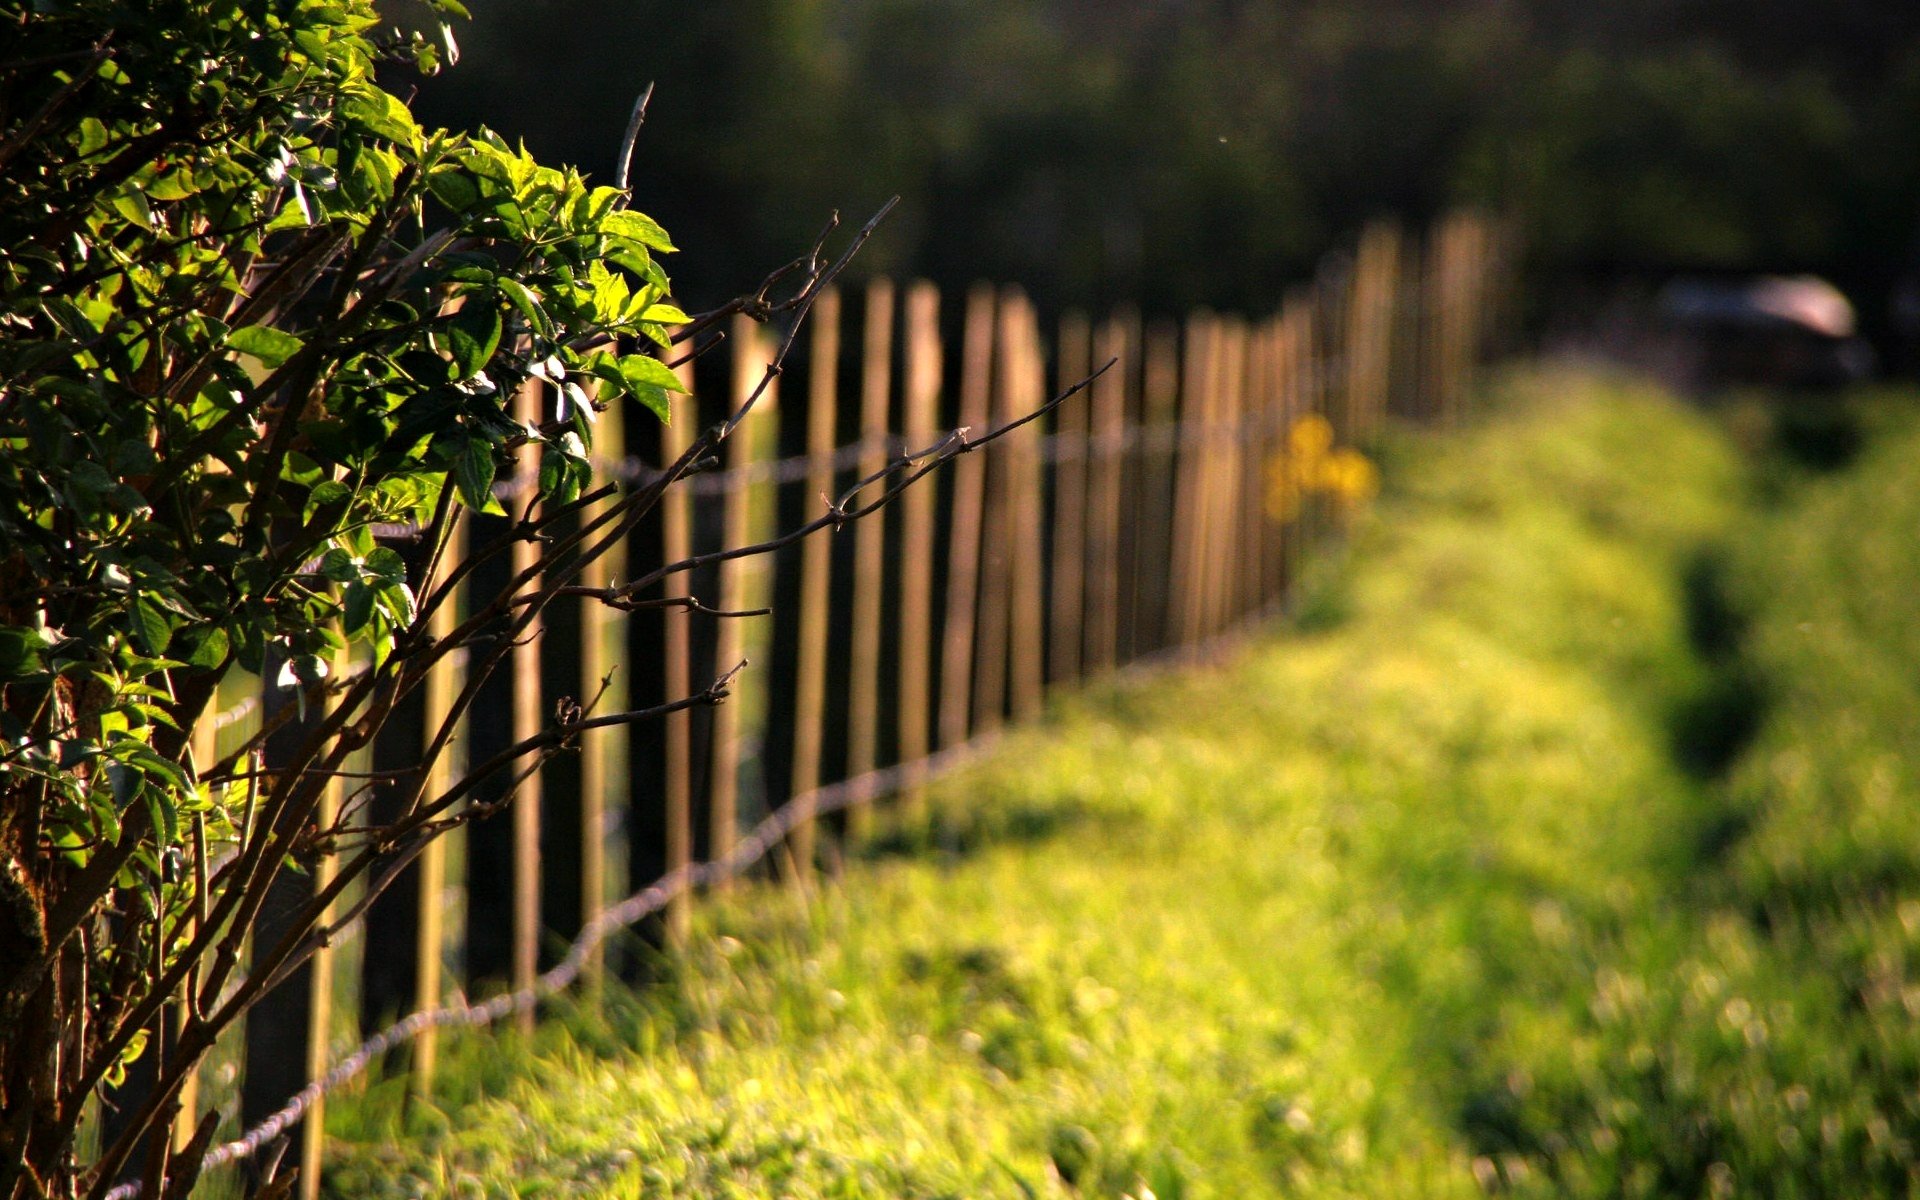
[1207,151]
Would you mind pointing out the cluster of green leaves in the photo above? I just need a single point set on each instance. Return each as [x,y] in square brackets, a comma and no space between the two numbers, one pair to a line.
[229,351]
[250,313]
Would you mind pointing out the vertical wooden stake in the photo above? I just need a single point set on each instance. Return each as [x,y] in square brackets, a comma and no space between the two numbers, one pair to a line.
[869,550]
[1070,500]
[963,556]
[205,749]
[1159,393]
[442,685]
[526,724]
[1247,499]
[601,748]
[749,369]
[676,543]
[1103,497]
[816,571]
[920,421]
[1187,556]
[1129,477]
[996,551]
[1026,579]
[1223,557]
[313,1126]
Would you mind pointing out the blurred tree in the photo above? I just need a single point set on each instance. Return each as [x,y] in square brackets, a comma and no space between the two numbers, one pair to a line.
[1216,146]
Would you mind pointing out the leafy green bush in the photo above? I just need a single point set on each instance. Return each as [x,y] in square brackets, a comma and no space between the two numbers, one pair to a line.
[250,312]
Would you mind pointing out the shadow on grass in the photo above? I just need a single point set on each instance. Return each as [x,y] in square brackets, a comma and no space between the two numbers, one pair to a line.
[955,831]
[1709,729]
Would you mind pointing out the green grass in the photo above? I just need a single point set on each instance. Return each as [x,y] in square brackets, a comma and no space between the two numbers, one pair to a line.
[1424,897]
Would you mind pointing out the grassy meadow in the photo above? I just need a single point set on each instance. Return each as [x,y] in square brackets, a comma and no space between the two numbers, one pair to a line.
[1567,843]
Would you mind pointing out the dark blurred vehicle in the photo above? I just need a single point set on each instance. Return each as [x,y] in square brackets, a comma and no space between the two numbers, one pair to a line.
[1783,331]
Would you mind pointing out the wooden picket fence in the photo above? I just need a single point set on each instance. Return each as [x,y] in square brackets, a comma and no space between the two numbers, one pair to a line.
[1153,515]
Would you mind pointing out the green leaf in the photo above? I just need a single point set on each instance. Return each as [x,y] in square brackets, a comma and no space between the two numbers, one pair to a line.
[338,566]
[358,608]
[528,303]
[656,401]
[211,650]
[666,314]
[640,370]
[151,626]
[20,652]
[640,227]
[382,115]
[453,188]
[472,336]
[473,473]
[93,136]
[386,563]
[271,346]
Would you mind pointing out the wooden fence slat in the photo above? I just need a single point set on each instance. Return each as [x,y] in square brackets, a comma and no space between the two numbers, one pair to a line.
[1069,501]
[1128,467]
[442,686]
[967,521]
[920,422]
[816,571]
[527,719]
[676,543]
[1026,580]
[1252,458]
[1187,555]
[1226,555]
[869,549]
[313,1126]
[1159,393]
[723,788]
[996,549]
[600,749]
[1103,497]
[205,749]
[1274,556]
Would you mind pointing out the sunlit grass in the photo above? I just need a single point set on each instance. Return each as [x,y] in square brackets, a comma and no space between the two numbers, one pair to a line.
[1413,904]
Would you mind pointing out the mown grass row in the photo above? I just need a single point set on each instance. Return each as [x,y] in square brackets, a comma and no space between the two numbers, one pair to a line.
[1429,895]
[1758,1034]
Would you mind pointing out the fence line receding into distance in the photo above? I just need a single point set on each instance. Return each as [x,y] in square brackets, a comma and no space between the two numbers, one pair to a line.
[1154,513]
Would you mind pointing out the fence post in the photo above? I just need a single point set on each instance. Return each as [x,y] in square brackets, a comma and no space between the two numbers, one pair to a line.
[442,686]
[816,572]
[1159,391]
[1026,608]
[1233,449]
[313,1126]
[749,371]
[205,747]
[1255,392]
[600,675]
[964,534]
[1370,326]
[1071,453]
[526,723]
[1274,565]
[1188,557]
[1103,497]
[869,550]
[676,544]
[920,421]
[996,549]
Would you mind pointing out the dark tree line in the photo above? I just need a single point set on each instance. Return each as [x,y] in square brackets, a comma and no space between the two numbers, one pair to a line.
[1206,150]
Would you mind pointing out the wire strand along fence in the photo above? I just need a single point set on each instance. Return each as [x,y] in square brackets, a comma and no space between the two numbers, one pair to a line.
[1159,511]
